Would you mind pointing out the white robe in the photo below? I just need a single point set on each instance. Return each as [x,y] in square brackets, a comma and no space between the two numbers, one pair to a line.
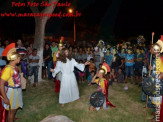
[69,89]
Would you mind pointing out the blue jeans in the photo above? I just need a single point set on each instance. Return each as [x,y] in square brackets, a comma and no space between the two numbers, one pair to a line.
[129,71]
[34,71]
[49,65]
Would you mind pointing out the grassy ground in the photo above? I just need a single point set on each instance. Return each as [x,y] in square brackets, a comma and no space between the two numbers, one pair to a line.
[42,101]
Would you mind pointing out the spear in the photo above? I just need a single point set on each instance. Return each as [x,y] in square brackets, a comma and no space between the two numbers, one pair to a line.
[146,106]
[151,53]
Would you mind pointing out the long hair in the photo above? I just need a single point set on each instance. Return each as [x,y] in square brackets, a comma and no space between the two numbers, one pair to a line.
[62,56]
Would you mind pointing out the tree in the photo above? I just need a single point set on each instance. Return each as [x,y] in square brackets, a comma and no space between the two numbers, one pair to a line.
[40,24]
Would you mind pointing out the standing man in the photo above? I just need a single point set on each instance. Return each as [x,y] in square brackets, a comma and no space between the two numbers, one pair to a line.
[99,57]
[34,66]
[54,47]
[47,57]
[10,83]
[129,65]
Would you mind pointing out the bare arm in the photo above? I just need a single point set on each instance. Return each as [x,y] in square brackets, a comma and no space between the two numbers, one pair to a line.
[94,78]
[3,93]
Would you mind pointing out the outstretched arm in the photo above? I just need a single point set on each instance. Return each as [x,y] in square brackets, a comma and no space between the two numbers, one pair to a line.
[57,69]
[80,66]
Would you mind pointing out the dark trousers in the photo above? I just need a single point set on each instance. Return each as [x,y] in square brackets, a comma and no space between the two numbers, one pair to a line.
[34,71]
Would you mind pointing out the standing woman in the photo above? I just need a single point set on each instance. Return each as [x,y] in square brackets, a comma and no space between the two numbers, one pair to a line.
[69,89]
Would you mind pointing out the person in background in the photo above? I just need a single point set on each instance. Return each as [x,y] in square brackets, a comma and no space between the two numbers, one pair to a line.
[122,66]
[97,57]
[113,76]
[71,52]
[2,61]
[108,57]
[123,54]
[79,56]
[75,53]
[138,66]
[129,65]
[92,66]
[84,56]
[89,79]
[89,54]
[47,58]
[81,74]
[29,50]
[6,43]
[34,66]
[120,76]
[54,47]
[21,50]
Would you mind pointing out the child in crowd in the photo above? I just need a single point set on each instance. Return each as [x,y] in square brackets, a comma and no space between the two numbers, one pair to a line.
[89,79]
[81,74]
[123,54]
[122,66]
[120,76]
[108,57]
[113,76]
[138,66]
[92,66]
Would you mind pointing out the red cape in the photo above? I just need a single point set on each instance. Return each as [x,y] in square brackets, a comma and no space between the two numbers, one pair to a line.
[106,94]
[2,112]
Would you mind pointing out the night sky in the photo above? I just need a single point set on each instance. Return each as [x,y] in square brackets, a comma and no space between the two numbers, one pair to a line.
[132,17]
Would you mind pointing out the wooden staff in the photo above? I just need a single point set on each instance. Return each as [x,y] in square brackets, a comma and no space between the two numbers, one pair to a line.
[146,106]
[151,53]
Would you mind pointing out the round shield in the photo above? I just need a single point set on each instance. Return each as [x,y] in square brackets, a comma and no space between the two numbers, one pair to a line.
[151,88]
[97,99]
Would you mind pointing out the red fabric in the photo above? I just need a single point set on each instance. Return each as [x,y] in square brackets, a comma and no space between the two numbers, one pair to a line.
[161,38]
[161,112]
[107,66]
[57,85]
[106,94]
[2,112]
[161,59]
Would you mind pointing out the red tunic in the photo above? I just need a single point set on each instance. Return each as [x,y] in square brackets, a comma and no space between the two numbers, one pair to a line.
[57,82]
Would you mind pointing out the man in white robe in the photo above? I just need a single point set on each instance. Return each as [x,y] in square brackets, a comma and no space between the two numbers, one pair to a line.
[69,89]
